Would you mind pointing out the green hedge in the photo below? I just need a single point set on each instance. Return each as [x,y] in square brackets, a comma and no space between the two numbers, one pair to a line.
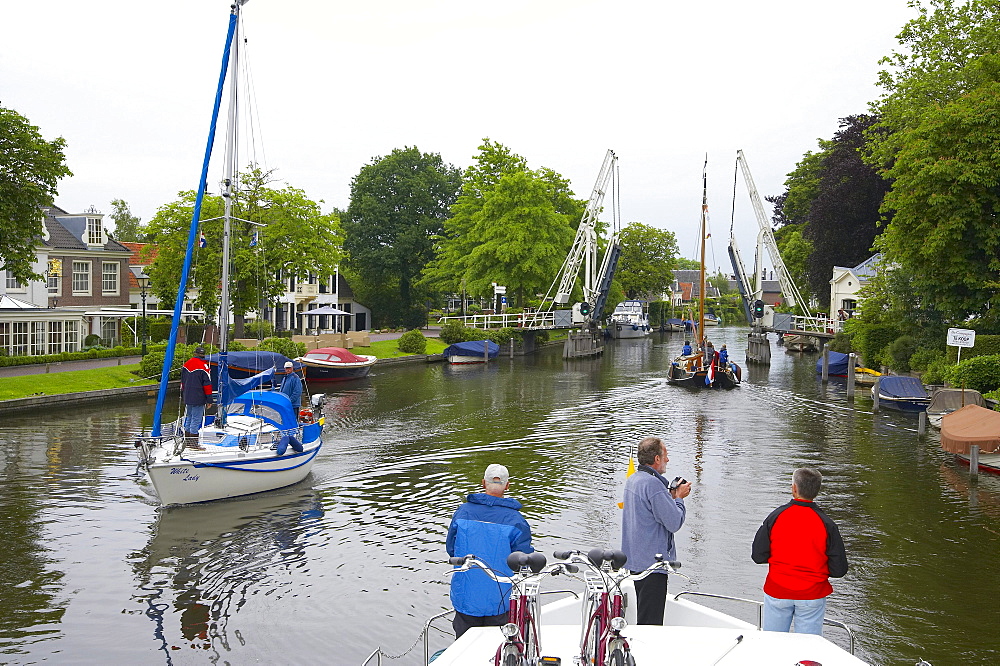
[981,373]
[413,342]
[986,345]
[6,361]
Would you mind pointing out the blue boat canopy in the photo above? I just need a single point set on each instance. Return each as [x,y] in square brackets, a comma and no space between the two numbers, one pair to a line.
[243,364]
[838,364]
[902,387]
[272,406]
[472,348]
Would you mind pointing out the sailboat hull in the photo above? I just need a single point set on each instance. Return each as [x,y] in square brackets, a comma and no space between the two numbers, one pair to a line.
[204,476]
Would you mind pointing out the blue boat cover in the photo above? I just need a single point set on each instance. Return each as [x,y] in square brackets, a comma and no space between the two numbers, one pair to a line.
[838,364]
[243,364]
[473,348]
[283,415]
[901,387]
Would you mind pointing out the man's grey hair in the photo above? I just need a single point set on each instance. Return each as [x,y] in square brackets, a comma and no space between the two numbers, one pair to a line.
[808,482]
[649,448]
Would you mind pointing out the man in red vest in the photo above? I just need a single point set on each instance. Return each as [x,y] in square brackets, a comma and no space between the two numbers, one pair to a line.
[802,547]
[196,390]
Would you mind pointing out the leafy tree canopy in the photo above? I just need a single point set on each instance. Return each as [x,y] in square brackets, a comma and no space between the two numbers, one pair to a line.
[685,264]
[297,239]
[398,206]
[30,169]
[128,227]
[497,190]
[795,252]
[647,257]
[946,202]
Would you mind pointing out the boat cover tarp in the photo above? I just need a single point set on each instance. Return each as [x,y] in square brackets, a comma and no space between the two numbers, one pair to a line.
[968,426]
[472,348]
[902,388]
[276,400]
[338,354]
[838,364]
[675,321]
[243,364]
[949,399]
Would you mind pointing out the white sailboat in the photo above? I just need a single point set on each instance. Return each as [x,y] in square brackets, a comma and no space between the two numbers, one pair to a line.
[259,440]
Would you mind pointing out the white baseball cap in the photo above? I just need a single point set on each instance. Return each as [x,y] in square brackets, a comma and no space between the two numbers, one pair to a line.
[496,474]
[289,364]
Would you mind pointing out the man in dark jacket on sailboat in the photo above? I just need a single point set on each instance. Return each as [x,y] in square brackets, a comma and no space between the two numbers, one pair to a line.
[491,527]
[196,391]
[803,549]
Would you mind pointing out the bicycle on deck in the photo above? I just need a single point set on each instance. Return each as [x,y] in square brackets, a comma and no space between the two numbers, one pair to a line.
[521,633]
[601,640]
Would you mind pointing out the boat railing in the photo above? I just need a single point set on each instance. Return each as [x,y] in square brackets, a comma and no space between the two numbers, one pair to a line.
[760,611]
[378,654]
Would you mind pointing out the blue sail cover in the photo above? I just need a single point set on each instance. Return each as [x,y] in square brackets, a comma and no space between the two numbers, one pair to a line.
[243,364]
[902,387]
[838,364]
[278,410]
[473,348]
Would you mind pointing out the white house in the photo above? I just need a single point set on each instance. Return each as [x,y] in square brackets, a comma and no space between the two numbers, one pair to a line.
[847,282]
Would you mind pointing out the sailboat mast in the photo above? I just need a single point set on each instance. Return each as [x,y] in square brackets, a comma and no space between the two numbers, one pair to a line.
[228,190]
[704,229]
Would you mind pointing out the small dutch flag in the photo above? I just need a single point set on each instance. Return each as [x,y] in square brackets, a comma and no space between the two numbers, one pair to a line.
[201,241]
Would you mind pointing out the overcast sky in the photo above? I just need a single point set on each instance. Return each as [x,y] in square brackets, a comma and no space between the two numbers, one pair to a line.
[129,85]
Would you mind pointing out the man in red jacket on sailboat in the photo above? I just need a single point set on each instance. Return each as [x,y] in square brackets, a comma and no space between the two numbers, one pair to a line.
[196,390]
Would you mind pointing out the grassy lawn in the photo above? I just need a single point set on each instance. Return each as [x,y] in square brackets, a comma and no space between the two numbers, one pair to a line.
[57,383]
[390,348]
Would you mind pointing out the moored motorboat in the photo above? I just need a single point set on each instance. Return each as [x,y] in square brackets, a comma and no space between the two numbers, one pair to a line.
[906,394]
[970,426]
[712,319]
[947,400]
[838,367]
[474,351]
[335,364]
[629,320]
[673,325]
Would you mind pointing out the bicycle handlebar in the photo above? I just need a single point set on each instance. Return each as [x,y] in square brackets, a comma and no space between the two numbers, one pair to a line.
[535,562]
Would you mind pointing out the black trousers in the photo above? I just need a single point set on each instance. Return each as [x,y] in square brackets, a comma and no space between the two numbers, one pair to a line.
[463,622]
[652,597]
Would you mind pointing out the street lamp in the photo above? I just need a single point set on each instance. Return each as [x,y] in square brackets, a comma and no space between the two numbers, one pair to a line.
[143,281]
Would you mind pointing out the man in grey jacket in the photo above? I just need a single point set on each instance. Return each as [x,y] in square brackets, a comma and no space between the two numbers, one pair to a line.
[653,512]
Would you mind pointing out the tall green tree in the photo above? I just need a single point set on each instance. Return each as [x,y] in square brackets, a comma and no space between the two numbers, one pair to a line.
[795,252]
[946,203]
[128,227]
[296,240]
[30,169]
[498,181]
[398,206]
[647,257]
[521,240]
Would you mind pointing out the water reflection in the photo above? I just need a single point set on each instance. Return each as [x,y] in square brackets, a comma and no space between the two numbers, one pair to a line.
[202,564]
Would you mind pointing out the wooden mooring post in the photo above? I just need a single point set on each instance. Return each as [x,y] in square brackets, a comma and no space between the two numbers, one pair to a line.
[875,395]
[512,348]
[486,351]
[852,360]
[921,424]
[825,376]
[974,461]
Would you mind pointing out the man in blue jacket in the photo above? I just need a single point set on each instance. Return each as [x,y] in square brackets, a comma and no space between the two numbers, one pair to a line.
[491,527]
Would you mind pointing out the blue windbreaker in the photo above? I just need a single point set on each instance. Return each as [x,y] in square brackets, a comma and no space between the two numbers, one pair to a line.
[491,528]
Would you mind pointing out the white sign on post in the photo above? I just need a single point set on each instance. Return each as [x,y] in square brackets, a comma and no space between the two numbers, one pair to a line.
[961,337]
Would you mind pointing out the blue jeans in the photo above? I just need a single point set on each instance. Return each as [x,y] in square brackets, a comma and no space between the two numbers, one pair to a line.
[194,418]
[808,615]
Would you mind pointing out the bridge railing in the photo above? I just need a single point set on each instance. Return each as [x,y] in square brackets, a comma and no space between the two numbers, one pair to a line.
[817,324]
[519,320]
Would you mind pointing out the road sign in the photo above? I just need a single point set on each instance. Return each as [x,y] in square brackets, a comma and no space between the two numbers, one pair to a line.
[961,337]
[499,289]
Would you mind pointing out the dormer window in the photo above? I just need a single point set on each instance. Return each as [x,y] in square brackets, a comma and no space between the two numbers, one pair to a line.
[95,231]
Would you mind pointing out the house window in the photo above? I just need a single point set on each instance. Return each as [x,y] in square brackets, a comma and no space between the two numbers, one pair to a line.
[38,334]
[71,335]
[95,233]
[54,275]
[13,284]
[109,331]
[55,337]
[19,339]
[109,277]
[81,278]
[5,336]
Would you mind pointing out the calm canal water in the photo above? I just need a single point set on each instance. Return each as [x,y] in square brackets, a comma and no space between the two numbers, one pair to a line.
[353,557]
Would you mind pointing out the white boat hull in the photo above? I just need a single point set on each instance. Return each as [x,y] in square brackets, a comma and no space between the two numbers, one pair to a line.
[465,360]
[692,635]
[626,331]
